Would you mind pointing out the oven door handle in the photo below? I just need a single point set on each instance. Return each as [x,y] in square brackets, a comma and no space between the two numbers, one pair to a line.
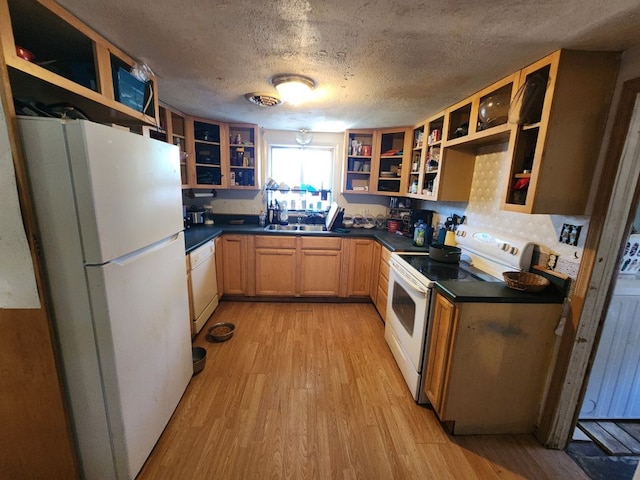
[416,286]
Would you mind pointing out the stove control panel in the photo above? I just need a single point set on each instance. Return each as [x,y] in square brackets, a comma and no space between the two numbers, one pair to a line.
[506,251]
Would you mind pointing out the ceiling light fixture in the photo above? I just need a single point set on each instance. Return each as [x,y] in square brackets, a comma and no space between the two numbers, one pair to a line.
[293,89]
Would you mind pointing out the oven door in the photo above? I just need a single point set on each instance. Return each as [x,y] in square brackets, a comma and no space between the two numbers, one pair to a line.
[406,322]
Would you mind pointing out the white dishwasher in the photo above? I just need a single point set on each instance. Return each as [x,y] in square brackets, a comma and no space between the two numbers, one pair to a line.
[204,285]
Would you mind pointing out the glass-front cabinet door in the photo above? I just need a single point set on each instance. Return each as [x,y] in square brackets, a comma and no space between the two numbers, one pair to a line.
[393,167]
[243,159]
[208,153]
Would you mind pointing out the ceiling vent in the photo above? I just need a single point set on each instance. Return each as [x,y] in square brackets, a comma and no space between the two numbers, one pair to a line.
[263,99]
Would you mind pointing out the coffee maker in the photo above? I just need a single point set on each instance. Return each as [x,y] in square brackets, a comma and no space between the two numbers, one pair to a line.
[426,216]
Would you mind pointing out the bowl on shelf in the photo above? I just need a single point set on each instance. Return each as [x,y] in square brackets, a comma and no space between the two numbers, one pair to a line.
[494,110]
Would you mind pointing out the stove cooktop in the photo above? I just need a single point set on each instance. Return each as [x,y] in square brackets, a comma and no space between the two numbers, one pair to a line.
[438,271]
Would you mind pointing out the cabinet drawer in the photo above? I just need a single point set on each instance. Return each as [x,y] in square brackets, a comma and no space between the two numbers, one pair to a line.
[385,255]
[274,241]
[384,269]
[319,243]
[383,283]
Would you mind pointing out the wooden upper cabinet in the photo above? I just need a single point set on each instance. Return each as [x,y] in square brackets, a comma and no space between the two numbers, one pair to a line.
[563,101]
[482,118]
[376,161]
[392,163]
[360,146]
[450,140]
[72,64]
[221,155]
[243,156]
[209,162]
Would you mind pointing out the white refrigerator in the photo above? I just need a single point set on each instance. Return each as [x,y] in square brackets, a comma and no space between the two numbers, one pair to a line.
[109,213]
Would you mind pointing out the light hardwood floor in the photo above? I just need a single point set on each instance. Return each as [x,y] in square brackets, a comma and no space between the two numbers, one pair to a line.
[311,391]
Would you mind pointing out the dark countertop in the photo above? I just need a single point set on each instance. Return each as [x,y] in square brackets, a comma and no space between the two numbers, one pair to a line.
[456,291]
[196,236]
[495,292]
[200,234]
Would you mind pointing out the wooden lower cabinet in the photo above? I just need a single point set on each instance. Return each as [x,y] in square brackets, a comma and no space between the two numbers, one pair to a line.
[219,266]
[320,264]
[297,266]
[443,324]
[360,254]
[275,265]
[302,266]
[488,364]
[234,264]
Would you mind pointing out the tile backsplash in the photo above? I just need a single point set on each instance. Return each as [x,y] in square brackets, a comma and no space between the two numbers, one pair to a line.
[483,209]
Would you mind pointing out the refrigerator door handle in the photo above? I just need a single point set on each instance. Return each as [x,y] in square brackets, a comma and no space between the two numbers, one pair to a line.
[149,249]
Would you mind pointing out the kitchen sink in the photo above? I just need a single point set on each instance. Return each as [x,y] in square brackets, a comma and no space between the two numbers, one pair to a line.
[295,228]
[311,228]
[280,227]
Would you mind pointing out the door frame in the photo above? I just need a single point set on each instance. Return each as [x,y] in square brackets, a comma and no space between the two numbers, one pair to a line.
[612,209]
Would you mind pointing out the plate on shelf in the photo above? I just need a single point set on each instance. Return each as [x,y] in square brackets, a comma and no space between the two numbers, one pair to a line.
[387,174]
[390,153]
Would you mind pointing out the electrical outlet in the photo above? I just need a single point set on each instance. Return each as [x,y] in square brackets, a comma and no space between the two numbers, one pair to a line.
[570,234]
[553,260]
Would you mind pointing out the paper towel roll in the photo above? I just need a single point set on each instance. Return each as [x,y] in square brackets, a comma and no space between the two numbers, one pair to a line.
[450,238]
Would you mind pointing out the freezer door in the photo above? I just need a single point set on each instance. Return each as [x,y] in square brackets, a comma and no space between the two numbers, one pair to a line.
[127,189]
[141,319]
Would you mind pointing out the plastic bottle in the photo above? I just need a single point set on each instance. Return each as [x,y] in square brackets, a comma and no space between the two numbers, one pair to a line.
[262,218]
[419,233]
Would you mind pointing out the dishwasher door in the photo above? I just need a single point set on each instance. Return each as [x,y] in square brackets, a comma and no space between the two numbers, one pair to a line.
[204,285]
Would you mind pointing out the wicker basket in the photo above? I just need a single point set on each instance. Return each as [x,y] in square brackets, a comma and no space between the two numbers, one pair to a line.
[525,281]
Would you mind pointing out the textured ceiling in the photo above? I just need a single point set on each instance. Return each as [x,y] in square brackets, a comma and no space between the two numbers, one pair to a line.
[375,63]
